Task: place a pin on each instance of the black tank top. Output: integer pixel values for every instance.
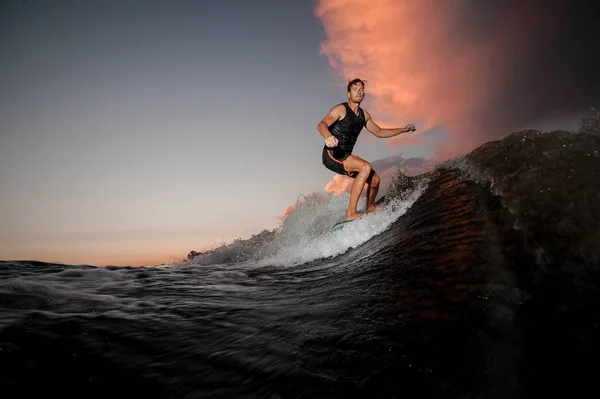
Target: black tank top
(347, 129)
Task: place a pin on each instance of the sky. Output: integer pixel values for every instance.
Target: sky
(132, 132)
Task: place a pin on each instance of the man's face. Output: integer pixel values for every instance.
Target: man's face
(357, 92)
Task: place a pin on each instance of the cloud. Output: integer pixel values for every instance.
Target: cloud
(479, 69)
(288, 209)
(339, 184)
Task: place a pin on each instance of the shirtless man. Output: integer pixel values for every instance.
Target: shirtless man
(341, 128)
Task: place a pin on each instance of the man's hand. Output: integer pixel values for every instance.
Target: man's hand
(409, 128)
(331, 141)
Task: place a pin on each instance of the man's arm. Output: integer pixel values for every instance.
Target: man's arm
(385, 133)
(338, 112)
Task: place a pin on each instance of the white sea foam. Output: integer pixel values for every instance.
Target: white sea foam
(306, 233)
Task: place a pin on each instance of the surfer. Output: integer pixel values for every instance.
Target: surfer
(340, 129)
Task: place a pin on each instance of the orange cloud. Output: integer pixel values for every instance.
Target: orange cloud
(401, 48)
(289, 209)
(457, 64)
(339, 184)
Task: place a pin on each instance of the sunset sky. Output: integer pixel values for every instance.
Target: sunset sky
(132, 132)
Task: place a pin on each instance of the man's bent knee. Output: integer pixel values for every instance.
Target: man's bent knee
(358, 165)
(366, 169)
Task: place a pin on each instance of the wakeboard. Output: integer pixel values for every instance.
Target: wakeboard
(341, 224)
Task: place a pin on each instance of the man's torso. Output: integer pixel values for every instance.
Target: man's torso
(347, 129)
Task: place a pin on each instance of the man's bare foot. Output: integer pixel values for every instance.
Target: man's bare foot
(374, 208)
(356, 215)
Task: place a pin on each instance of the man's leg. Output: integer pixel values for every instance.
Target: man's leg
(373, 182)
(356, 164)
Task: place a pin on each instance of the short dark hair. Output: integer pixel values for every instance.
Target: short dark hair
(355, 81)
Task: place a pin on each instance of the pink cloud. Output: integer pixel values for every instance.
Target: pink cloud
(413, 71)
(339, 184)
(467, 66)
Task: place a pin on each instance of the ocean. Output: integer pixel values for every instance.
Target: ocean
(478, 279)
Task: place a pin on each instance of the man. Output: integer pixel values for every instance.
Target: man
(341, 128)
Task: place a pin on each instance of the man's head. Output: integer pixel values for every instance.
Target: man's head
(356, 90)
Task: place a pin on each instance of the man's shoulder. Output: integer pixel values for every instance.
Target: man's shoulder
(339, 109)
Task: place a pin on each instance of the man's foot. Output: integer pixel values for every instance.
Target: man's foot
(374, 208)
(355, 215)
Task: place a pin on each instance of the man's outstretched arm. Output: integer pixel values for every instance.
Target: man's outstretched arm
(385, 133)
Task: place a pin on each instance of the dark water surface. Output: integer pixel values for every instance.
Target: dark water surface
(486, 287)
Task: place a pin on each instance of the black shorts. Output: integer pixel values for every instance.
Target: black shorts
(333, 159)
